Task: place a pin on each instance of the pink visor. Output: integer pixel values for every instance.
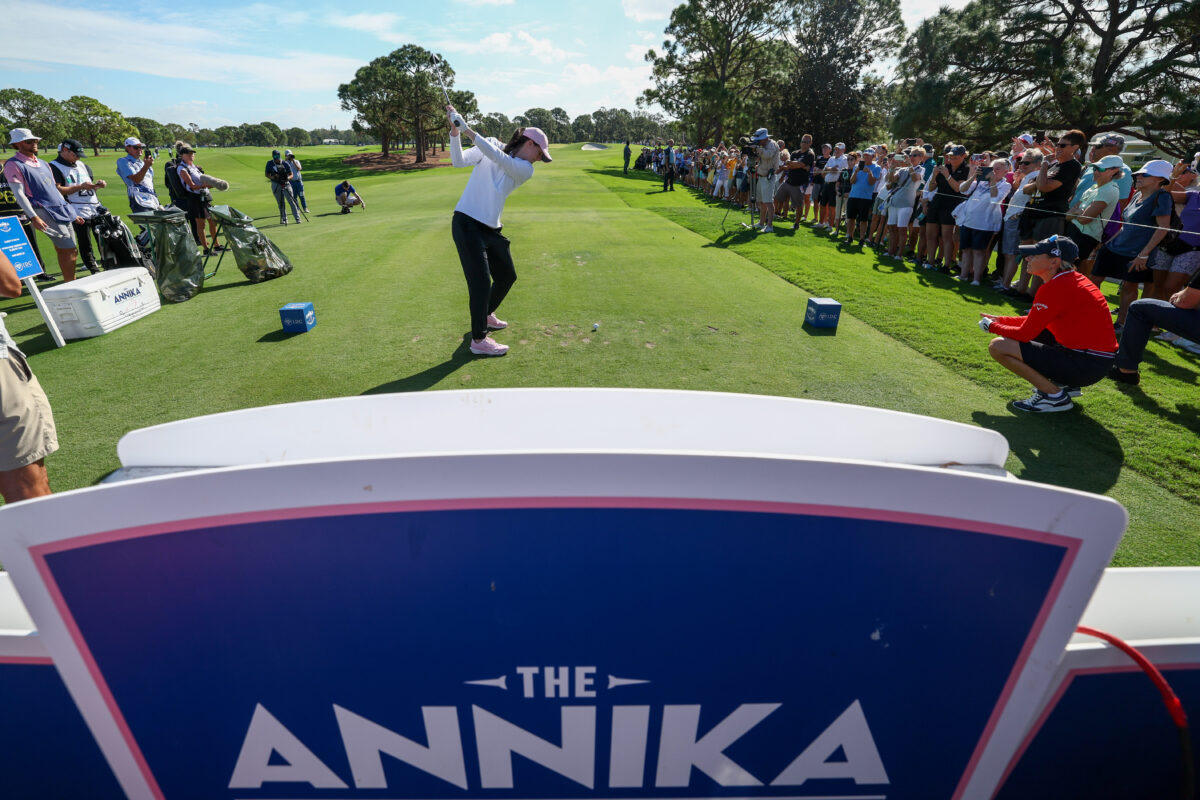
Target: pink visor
(537, 137)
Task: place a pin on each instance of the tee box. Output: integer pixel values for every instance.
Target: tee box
(823, 312)
(298, 317)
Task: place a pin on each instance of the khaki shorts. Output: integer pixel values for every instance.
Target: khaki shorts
(27, 432)
(765, 189)
(61, 233)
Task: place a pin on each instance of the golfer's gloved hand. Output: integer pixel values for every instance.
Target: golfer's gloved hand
(985, 324)
(458, 121)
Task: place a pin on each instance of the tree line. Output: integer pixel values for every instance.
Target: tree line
(97, 125)
(977, 75)
(398, 97)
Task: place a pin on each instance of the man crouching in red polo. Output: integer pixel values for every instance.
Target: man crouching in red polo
(1066, 341)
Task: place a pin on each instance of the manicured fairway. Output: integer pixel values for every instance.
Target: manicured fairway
(680, 304)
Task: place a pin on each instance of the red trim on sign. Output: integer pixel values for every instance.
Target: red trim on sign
(44, 661)
(1052, 703)
(39, 553)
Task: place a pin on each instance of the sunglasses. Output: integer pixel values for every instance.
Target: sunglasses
(1027, 162)
(1062, 144)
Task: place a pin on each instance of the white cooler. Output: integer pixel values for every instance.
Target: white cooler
(100, 303)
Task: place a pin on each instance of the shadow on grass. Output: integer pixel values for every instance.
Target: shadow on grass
(430, 377)
(1049, 448)
(1186, 416)
(279, 336)
(812, 331)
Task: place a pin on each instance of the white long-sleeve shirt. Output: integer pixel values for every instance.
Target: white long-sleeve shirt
(494, 178)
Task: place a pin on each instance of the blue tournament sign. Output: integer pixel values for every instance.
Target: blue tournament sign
(585, 625)
(15, 244)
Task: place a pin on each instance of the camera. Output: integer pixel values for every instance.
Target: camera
(747, 148)
(984, 173)
(910, 142)
(1039, 137)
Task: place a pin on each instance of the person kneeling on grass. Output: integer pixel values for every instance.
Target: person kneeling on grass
(1181, 316)
(346, 197)
(1066, 341)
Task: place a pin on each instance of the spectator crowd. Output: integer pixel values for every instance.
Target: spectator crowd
(967, 214)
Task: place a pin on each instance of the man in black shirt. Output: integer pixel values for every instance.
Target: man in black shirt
(798, 181)
(1052, 190)
(1045, 215)
(280, 176)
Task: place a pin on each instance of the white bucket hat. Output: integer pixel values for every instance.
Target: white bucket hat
(17, 135)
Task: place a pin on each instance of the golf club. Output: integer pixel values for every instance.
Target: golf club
(436, 61)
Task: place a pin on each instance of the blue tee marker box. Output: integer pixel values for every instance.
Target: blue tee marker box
(298, 317)
(823, 312)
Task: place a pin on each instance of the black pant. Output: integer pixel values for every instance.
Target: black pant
(668, 177)
(83, 238)
(487, 266)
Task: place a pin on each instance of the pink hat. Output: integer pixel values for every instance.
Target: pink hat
(537, 137)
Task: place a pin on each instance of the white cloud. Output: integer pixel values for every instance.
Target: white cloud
(485, 2)
(521, 44)
(170, 51)
(647, 10)
(636, 52)
(383, 26)
(542, 49)
(914, 11)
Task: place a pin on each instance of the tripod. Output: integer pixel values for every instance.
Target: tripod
(751, 205)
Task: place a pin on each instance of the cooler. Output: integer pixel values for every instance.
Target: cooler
(101, 303)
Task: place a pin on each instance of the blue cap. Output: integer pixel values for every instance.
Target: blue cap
(1057, 245)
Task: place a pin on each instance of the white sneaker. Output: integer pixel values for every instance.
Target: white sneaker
(487, 346)
(494, 323)
(975, 283)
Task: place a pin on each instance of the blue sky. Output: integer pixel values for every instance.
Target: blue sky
(219, 62)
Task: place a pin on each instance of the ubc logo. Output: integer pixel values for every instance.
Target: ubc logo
(681, 748)
(126, 294)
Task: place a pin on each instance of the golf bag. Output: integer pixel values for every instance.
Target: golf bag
(118, 246)
(180, 270)
(257, 257)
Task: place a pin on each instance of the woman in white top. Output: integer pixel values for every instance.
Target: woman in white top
(981, 217)
(483, 251)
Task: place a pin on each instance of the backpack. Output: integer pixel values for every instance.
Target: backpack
(174, 184)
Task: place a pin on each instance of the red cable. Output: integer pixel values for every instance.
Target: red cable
(1170, 699)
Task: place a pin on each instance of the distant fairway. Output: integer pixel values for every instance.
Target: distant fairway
(680, 304)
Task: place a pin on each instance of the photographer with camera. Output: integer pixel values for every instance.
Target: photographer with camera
(766, 155)
(280, 176)
(198, 198)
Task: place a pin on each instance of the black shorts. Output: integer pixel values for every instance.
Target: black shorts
(1034, 226)
(1114, 265)
(1085, 243)
(828, 194)
(941, 212)
(1064, 366)
(859, 208)
(195, 207)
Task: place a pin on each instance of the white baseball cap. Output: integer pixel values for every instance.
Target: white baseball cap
(1158, 168)
(840, 146)
(21, 135)
(133, 141)
(870, 151)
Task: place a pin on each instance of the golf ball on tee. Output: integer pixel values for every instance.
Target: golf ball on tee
(595, 326)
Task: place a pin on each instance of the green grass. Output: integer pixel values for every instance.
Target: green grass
(681, 304)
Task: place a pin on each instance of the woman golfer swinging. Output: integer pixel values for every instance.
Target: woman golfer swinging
(483, 251)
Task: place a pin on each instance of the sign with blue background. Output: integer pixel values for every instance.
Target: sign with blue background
(567, 652)
(15, 244)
